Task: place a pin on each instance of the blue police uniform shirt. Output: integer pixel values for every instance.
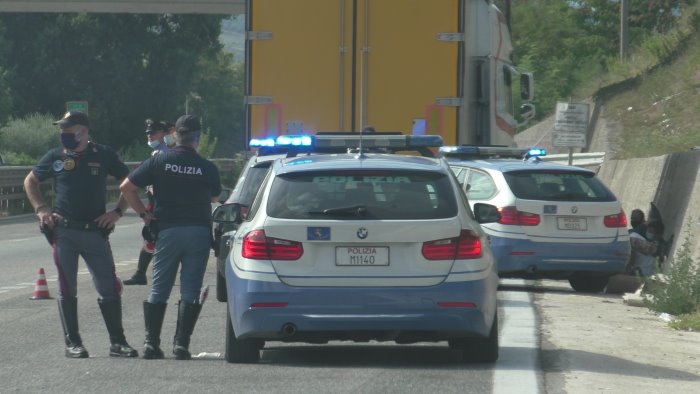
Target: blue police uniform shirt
(183, 185)
(80, 179)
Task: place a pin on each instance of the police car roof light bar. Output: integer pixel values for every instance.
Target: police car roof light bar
(467, 152)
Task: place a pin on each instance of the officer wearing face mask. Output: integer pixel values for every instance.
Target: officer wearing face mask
(157, 138)
(79, 225)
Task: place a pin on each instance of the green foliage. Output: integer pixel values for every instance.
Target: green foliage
(28, 139)
(127, 66)
(569, 45)
(19, 159)
(207, 144)
(681, 295)
(688, 322)
(137, 151)
(229, 178)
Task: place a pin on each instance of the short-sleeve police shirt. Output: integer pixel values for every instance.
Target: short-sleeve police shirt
(183, 185)
(80, 179)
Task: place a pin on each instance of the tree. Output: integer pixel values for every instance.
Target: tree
(128, 67)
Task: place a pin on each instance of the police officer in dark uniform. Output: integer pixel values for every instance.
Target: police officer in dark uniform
(78, 225)
(184, 186)
(155, 138)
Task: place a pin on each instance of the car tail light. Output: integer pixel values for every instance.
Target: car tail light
(511, 216)
(617, 220)
(466, 246)
(257, 246)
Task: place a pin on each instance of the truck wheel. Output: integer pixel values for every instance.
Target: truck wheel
(240, 350)
(588, 283)
(479, 350)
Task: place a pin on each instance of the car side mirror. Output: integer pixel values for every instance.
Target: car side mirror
(486, 213)
(227, 213)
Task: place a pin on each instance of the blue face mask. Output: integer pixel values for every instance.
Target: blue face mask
(154, 144)
(69, 141)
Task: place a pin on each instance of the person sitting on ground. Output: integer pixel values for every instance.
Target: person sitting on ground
(644, 249)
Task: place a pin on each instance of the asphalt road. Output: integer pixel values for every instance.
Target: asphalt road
(33, 361)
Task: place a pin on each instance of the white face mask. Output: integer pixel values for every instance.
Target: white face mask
(153, 144)
(168, 140)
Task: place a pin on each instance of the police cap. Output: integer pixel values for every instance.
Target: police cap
(153, 127)
(72, 118)
(187, 123)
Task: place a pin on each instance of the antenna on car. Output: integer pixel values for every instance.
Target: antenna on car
(365, 129)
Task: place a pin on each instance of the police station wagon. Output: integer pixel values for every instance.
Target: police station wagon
(557, 221)
(361, 246)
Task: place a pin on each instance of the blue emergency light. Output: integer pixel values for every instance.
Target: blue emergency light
(341, 142)
(535, 152)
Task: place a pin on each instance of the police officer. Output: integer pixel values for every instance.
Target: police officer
(184, 186)
(78, 225)
(156, 133)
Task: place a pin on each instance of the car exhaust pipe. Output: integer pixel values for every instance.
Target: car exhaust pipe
(289, 329)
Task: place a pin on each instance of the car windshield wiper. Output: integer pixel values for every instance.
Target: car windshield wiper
(355, 210)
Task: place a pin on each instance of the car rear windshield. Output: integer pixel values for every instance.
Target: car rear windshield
(557, 186)
(362, 195)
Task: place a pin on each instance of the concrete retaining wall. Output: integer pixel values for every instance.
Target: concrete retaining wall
(671, 181)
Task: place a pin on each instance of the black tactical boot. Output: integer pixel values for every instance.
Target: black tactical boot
(68, 310)
(187, 315)
(139, 277)
(153, 317)
(112, 314)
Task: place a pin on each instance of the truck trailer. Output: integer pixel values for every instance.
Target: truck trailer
(424, 67)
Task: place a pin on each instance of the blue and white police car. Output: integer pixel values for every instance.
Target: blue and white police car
(557, 221)
(361, 246)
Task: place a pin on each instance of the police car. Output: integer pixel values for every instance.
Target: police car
(269, 149)
(361, 246)
(557, 221)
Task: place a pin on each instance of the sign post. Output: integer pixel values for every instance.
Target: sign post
(81, 106)
(570, 126)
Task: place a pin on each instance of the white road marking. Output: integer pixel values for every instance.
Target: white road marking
(517, 367)
(19, 239)
(12, 287)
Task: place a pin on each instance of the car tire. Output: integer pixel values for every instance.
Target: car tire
(221, 294)
(479, 350)
(241, 351)
(588, 283)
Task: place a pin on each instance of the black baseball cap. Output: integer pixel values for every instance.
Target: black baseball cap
(72, 118)
(153, 127)
(187, 123)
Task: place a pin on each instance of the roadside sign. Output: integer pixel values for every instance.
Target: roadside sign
(81, 106)
(570, 125)
(564, 139)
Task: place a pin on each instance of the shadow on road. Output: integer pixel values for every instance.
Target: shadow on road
(554, 360)
(353, 356)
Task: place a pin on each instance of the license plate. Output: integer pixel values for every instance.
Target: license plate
(572, 223)
(361, 255)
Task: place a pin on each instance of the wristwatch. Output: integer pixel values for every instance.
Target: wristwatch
(119, 211)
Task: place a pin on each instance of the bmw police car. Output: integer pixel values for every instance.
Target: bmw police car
(557, 221)
(361, 246)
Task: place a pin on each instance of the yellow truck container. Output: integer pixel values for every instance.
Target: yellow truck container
(415, 66)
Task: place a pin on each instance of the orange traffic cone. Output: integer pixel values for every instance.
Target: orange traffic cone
(41, 290)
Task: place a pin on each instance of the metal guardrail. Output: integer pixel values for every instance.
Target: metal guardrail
(13, 199)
